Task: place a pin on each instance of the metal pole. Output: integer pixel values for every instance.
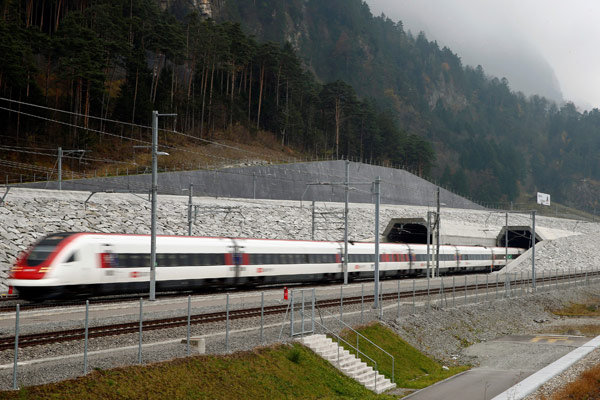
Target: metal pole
(342, 303)
(533, 251)
(312, 235)
(85, 340)
(437, 240)
(16, 347)
(189, 324)
(262, 315)
(496, 286)
(346, 223)
(414, 294)
(376, 289)
(227, 324)
(454, 291)
(398, 299)
(506, 241)
(60, 168)
(314, 300)
(465, 289)
(190, 206)
(302, 314)
(476, 297)
(362, 302)
(153, 212)
(292, 313)
(254, 186)
(428, 242)
(141, 338)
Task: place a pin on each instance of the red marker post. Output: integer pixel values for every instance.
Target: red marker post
(285, 293)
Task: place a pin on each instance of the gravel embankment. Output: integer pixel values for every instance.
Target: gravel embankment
(443, 333)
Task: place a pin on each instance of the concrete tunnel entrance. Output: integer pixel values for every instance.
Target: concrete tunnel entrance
(408, 230)
(518, 236)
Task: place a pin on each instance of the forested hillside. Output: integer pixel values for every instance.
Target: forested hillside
(326, 78)
(490, 142)
(110, 60)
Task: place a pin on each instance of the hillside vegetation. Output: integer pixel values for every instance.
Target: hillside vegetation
(491, 142)
(323, 78)
(117, 60)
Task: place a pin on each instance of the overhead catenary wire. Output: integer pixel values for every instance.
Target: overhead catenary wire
(117, 122)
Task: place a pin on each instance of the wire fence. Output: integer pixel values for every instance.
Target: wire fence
(351, 306)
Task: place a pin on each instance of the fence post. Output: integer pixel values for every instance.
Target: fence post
(398, 299)
(362, 302)
(302, 314)
(342, 303)
(414, 295)
(496, 286)
(292, 313)
(141, 338)
(16, 347)
(85, 340)
(189, 324)
(314, 300)
(262, 315)
(227, 324)
(453, 291)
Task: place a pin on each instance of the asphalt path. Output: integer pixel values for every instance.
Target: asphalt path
(504, 362)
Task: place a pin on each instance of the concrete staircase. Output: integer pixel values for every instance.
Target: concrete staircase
(348, 363)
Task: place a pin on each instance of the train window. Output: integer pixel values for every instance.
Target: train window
(73, 257)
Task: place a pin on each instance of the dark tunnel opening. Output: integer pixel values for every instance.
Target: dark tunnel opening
(517, 238)
(409, 233)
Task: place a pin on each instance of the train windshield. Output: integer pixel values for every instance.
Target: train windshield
(42, 250)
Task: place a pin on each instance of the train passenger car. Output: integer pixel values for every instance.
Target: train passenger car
(86, 264)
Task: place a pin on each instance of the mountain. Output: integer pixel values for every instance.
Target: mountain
(491, 142)
(323, 78)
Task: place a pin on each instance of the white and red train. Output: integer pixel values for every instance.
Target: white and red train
(90, 264)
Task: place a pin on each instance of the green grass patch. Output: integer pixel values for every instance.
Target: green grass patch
(279, 372)
(412, 369)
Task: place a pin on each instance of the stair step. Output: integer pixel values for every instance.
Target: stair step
(348, 363)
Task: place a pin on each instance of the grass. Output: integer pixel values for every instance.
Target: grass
(590, 309)
(278, 372)
(586, 387)
(412, 369)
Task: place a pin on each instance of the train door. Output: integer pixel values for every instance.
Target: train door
(237, 261)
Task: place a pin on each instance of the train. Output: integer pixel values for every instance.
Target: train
(68, 264)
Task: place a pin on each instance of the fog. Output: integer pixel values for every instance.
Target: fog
(546, 47)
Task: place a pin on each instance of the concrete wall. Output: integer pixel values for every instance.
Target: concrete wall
(282, 182)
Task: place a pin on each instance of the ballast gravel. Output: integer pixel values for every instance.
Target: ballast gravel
(438, 329)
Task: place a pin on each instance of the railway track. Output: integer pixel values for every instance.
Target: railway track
(8, 342)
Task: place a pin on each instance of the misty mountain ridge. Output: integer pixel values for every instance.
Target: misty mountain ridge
(323, 78)
(495, 138)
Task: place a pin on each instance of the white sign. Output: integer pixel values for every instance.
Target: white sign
(543, 199)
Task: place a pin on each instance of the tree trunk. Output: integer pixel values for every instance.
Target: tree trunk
(135, 91)
(210, 97)
(260, 85)
(231, 99)
(250, 96)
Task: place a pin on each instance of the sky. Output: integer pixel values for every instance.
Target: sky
(546, 47)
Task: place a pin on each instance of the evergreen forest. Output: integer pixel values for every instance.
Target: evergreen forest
(491, 142)
(325, 78)
(117, 60)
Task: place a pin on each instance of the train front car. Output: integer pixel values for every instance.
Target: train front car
(38, 273)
